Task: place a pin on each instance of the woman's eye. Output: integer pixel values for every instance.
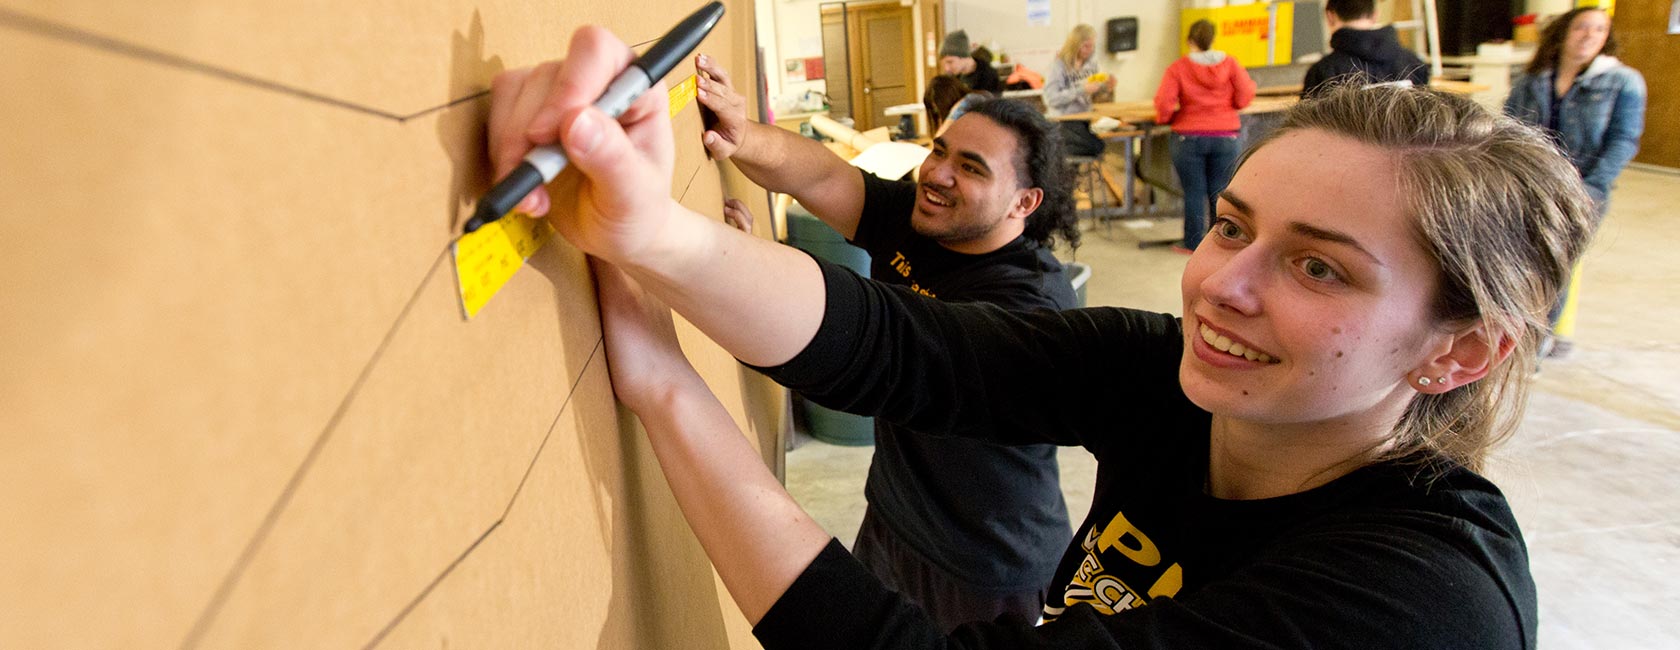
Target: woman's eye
(1317, 269)
(1226, 228)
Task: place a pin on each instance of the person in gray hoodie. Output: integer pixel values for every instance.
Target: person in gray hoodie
(1362, 49)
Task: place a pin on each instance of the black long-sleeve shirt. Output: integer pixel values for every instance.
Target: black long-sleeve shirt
(983, 513)
(1415, 553)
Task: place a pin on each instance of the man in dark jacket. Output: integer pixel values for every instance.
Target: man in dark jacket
(957, 60)
(1358, 46)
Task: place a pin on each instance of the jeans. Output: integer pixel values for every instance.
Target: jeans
(1078, 139)
(1205, 165)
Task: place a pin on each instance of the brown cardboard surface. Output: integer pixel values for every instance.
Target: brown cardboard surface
(383, 55)
(239, 405)
(655, 568)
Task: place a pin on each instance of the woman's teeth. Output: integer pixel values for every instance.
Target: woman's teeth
(1226, 345)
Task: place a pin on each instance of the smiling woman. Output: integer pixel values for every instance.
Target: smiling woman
(1300, 469)
(1591, 103)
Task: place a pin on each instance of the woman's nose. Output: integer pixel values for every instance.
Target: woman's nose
(1237, 282)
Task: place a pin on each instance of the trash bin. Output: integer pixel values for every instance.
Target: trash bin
(810, 234)
(1080, 274)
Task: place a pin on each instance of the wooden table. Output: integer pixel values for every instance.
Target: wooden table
(1142, 112)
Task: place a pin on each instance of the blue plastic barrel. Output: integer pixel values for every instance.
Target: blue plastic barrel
(810, 234)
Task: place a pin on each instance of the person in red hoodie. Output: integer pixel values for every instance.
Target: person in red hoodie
(1200, 96)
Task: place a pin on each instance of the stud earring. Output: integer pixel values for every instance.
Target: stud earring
(1423, 381)
(1441, 380)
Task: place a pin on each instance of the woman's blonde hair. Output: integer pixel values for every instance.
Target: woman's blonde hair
(1069, 55)
(1504, 215)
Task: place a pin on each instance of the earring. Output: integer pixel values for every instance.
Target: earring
(1423, 381)
(1441, 380)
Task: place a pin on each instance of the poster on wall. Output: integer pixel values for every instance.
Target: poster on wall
(805, 69)
(1038, 13)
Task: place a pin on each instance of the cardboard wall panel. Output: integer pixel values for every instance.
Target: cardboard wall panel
(385, 56)
(239, 405)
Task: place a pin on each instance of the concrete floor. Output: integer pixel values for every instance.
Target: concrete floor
(1594, 473)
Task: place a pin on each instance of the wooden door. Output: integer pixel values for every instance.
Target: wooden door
(884, 66)
(1641, 27)
(837, 60)
(933, 34)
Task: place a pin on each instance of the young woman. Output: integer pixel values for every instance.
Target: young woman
(942, 95)
(1070, 88)
(1293, 463)
(1199, 96)
(1591, 104)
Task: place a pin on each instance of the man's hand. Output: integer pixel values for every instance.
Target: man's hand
(611, 213)
(716, 93)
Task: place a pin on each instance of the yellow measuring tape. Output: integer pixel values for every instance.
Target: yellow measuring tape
(487, 258)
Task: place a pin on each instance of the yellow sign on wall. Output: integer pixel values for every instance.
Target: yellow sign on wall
(1609, 6)
(1246, 32)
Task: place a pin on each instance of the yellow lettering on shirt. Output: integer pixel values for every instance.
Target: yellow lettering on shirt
(1106, 593)
(1139, 548)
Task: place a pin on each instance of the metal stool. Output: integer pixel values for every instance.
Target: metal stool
(1087, 176)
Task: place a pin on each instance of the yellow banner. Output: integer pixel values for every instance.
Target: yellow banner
(1245, 32)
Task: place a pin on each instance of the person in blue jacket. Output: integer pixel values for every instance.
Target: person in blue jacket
(1592, 104)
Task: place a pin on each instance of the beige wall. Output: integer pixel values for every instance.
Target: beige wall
(239, 404)
(789, 29)
(1136, 73)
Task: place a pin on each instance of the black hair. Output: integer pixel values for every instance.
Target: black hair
(1351, 9)
(1039, 164)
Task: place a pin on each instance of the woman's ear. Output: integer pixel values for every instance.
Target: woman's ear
(1468, 356)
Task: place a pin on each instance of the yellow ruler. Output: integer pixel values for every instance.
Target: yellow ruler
(487, 258)
(681, 94)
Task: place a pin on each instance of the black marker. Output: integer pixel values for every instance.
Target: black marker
(545, 162)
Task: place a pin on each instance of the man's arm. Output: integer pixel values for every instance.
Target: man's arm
(1419, 74)
(1315, 78)
(777, 159)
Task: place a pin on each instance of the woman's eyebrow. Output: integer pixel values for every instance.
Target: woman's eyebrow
(1332, 236)
(1299, 228)
(1241, 205)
